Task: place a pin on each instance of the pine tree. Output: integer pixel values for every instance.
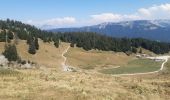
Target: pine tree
(29, 39)
(32, 48)
(2, 36)
(10, 35)
(11, 53)
(56, 43)
(36, 43)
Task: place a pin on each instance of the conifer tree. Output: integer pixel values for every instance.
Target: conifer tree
(32, 48)
(11, 53)
(36, 43)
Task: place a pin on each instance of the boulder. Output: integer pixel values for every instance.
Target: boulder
(3, 61)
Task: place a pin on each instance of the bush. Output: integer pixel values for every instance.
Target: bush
(56, 43)
(23, 62)
(72, 45)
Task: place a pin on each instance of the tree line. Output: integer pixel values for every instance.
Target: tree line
(89, 40)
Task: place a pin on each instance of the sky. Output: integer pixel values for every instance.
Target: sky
(75, 13)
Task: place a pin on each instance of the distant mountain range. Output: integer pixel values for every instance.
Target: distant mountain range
(150, 29)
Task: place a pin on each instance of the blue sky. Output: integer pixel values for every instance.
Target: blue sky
(83, 11)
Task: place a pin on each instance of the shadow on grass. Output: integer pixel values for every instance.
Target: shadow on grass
(8, 72)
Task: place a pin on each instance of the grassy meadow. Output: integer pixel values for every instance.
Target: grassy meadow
(135, 66)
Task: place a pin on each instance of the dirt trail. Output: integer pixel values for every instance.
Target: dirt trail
(65, 67)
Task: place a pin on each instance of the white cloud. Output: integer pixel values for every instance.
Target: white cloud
(111, 17)
(104, 17)
(144, 12)
(151, 13)
(60, 21)
(54, 22)
(155, 12)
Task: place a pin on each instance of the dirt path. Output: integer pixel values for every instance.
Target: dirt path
(165, 58)
(65, 67)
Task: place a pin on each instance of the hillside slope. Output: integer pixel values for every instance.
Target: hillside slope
(48, 55)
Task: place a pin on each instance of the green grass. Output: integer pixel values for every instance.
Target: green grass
(135, 66)
(8, 72)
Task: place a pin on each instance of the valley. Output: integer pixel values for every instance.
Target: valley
(80, 66)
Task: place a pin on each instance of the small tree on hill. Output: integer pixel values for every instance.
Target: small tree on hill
(11, 53)
(56, 43)
(36, 43)
(72, 45)
(10, 35)
(32, 48)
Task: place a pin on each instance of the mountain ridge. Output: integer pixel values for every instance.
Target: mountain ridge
(150, 29)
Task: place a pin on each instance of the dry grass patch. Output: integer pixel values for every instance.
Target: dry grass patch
(80, 58)
(2, 47)
(37, 85)
(47, 54)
